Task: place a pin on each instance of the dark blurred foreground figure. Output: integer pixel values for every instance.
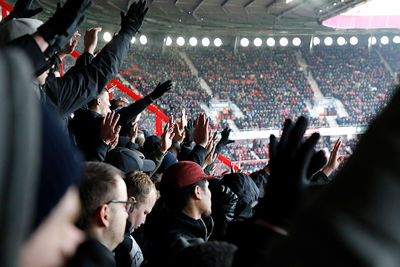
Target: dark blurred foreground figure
(37, 227)
(355, 221)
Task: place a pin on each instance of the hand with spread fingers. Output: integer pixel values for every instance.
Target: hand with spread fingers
(109, 129)
(189, 129)
(290, 159)
(211, 155)
(161, 89)
(334, 159)
(90, 40)
(166, 137)
(201, 130)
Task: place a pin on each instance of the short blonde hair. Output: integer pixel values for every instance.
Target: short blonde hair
(139, 185)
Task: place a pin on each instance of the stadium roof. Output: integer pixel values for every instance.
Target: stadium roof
(219, 16)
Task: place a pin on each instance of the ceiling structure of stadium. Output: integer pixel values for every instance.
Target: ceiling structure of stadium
(233, 17)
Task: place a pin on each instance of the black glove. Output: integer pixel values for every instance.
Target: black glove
(290, 160)
(21, 10)
(132, 21)
(224, 140)
(189, 128)
(161, 89)
(62, 25)
(223, 200)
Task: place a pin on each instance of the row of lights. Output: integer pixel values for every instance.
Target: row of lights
(328, 41)
(180, 41)
(270, 42)
(142, 39)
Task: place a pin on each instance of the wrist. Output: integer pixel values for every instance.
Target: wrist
(40, 41)
(107, 142)
(327, 171)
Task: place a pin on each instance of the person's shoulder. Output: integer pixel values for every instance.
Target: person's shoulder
(92, 253)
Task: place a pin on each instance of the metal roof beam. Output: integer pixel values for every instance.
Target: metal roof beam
(224, 3)
(197, 6)
(249, 3)
(293, 8)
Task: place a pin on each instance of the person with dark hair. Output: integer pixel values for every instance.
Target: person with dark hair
(142, 190)
(183, 214)
(105, 208)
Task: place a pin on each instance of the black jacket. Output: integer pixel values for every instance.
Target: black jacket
(86, 125)
(168, 232)
(85, 80)
(246, 190)
(92, 253)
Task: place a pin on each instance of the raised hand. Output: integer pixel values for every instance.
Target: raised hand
(334, 159)
(134, 132)
(225, 137)
(184, 119)
(211, 155)
(161, 89)
(132, 21)
(22, 10)
(201, 133)
(69, 47)
(63, 24)
(166, 137)
(109, 130)
(289, 162)
(90, 40)
(189, 129)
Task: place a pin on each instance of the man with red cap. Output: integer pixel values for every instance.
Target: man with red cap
(184, 216)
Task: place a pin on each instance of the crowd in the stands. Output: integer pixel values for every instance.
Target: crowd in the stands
(85, 182)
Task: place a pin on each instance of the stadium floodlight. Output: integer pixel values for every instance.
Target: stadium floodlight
(296, 41)
(107, 36)
(396, 39)
(328, 41)
(205, 41)
(180, 41)
(133, 40)
(384, 40)
(244, 42)
(257, 42)
(168, 41)
(353, 40)
(316, 41)
(341, 41)
(193, 41)
(372, 41)
(217, 42)
(270, 41)
(143, 39)
(283, 41)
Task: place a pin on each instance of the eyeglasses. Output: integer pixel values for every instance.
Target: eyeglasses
(129, 204)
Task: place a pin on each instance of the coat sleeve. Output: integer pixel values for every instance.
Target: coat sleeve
(134, 109)
(198, 155)
(82, 84)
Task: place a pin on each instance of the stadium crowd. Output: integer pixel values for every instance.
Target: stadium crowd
(83, 185)
(253, 78)
(354, 75)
